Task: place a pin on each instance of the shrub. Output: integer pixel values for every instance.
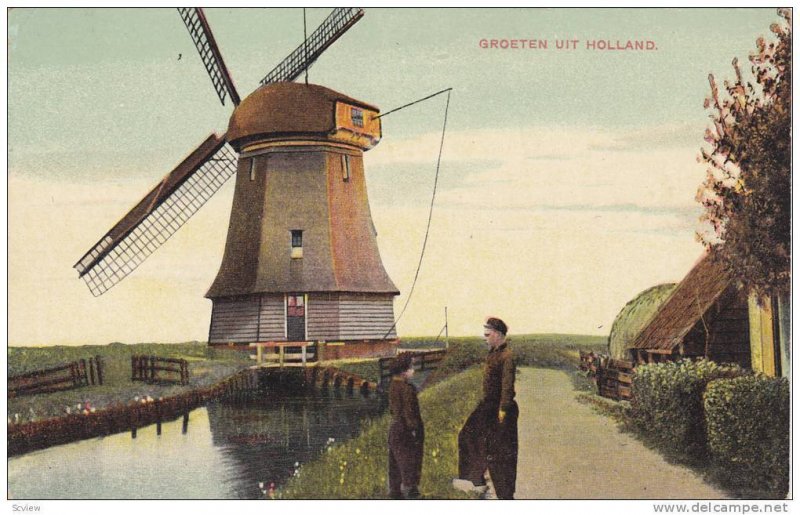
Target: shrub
(747, 420)
(667, 403)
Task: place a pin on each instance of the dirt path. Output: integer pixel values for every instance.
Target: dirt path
(568, 451)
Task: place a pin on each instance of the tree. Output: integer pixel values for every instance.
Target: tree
(747, 190)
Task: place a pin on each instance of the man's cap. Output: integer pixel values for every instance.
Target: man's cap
(400, 364)
(496, 324)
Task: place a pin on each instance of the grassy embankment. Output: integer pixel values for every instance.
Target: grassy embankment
(357, 469)
(207, 366)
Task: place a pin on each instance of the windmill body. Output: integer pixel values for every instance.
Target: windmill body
(301, 261)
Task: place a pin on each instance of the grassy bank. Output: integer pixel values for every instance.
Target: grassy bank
(207, 366)
(357, 469)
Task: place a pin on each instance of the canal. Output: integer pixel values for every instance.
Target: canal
(231, 449)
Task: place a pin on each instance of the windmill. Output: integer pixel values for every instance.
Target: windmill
(301, 261)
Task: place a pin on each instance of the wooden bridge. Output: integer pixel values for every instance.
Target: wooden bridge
(282, 358)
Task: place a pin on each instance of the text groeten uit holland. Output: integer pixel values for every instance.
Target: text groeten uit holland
(566, 44)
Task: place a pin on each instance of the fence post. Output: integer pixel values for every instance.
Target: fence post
(84, 378)
(91, 371)
(99, 361)
(152, 377)
(134, 362)
(73, 373)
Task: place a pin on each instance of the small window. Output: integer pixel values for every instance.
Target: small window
(295, 305)
(297, 244)
(357, 116)
(252, 168)
(345, 168)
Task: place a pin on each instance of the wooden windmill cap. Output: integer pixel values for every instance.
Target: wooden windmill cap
(291, 111)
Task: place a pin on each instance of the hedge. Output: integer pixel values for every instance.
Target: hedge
(747, 421)
(667, 402)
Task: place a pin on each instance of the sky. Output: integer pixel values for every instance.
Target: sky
(566, 184)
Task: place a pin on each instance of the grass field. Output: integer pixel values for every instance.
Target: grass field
(538, 350)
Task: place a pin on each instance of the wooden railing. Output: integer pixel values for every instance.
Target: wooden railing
(282, 357)
(422, 360)
(65, 377)
(153, 369)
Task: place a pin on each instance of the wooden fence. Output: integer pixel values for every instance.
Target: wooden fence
(153, 369)
(614, 379)
(590, 363)
(425, 360)
(65, 377)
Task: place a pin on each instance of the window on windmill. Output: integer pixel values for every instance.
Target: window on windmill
(295, 305)
(346, 168)
(357, 115)
(297, 244)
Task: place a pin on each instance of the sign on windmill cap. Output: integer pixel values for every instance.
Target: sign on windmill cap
(291, 111)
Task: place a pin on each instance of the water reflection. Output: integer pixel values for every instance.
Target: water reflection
(266, 438)
(230, 447)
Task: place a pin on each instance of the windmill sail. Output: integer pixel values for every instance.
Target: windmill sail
(158, 215)
(336, 24)
(196, 23)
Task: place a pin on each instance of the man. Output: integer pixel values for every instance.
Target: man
(406, 432)
(488, 439)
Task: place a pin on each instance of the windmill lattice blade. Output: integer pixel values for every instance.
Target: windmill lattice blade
(158, 215)
(196, 23)
(336, 24)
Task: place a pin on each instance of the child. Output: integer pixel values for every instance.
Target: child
(406, 432)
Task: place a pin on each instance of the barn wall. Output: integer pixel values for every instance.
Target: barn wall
(329, 317)
(234, 320)
(272, 322)
(349, 316)
(363, 316)
(322, 313)
(726, 327)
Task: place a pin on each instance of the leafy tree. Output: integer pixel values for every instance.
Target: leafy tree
(747, 190)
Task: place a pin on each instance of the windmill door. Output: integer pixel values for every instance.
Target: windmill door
(295, 318)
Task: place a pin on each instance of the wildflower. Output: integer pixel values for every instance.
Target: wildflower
(358, 451)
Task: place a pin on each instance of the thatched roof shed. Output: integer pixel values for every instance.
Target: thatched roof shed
(705, 316)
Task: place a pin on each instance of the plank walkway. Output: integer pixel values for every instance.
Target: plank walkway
(568, 451)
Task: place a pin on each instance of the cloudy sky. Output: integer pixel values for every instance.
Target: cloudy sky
(566, 185)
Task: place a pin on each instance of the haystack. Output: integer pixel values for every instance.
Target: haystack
(633, 318)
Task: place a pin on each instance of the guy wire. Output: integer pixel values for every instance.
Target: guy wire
(433, 197)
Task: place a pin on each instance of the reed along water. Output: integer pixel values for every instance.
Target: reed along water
(232, 449)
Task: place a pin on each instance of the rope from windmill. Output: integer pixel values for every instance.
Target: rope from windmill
(433, 198)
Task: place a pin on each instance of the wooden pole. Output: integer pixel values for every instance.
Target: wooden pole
(446, 336)
(99, 363)
(91, 371)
